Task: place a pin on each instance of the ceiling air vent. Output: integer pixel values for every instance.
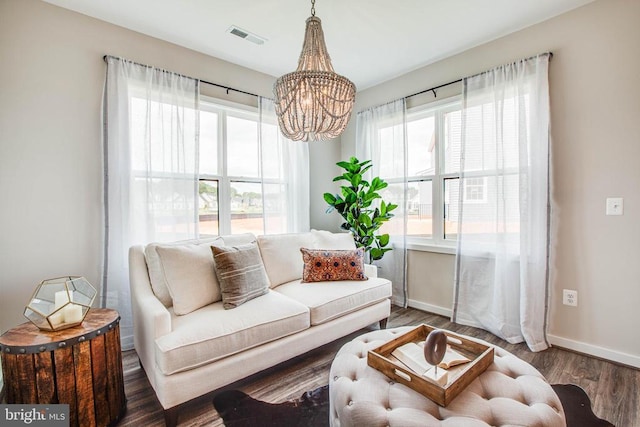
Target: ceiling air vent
(243, 34)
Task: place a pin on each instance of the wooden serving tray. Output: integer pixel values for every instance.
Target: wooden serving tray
(459, 376)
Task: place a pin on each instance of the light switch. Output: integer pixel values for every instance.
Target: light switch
(615, 206)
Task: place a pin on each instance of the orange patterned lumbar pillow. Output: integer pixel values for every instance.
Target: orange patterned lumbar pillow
(322, 264)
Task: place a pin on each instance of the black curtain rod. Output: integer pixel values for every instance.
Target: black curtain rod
(227, 88)
(433, 89)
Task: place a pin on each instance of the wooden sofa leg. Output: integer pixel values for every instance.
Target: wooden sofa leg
(383, 323)
(171, 416)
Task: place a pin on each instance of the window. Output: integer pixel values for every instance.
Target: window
(475, 190)
(492, 175)
(432, 164)
(433, 192)
(242, 180)
(231, 198)
(163, 168)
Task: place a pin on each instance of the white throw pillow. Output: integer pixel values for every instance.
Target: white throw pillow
(281, 256)
(182, 274)
(327, 240)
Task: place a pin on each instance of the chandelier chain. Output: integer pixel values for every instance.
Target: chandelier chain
(313, 7)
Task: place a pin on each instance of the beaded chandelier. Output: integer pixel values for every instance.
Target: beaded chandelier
(313, 103)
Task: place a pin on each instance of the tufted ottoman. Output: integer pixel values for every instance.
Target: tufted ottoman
(509, 393)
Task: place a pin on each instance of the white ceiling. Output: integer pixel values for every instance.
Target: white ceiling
(369, 41)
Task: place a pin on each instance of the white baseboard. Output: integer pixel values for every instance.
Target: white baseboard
(436, 309)
(594, 350)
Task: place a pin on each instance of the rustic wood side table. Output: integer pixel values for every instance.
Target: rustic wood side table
(79, 366)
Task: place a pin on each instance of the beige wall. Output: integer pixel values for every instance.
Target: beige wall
(51, 82)
(595, 106)
(426, 272)
(323, 156)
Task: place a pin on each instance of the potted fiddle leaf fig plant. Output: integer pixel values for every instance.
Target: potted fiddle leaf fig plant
(357, 205)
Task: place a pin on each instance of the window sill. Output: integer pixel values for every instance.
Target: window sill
(431, 247)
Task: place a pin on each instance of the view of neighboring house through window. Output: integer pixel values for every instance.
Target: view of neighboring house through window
(492, 176)
(433, 155)
(231, 196)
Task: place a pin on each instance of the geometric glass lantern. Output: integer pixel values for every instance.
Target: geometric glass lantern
(60, 303)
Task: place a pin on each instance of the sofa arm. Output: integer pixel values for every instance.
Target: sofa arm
(151, 319)
(371, 270)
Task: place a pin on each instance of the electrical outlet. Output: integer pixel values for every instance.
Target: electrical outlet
(570, 297)
(615, 206)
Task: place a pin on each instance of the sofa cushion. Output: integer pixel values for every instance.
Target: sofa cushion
(181, 265)
(212, 333)
(281, 255)
(163, 270)
(327, 240)
(240, 273)
(329, 300)
(190, 278)
(326, 264)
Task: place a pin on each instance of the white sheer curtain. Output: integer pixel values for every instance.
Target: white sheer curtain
(381, 138)
(150, 170)
(503, 238)
(284, 168)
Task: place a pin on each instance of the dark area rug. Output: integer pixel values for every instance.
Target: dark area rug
(577, 407)
(238, 409)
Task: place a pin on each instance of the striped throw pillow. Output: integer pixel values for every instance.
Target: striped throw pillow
(240, 272)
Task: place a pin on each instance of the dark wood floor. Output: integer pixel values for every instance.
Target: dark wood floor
(614, 390)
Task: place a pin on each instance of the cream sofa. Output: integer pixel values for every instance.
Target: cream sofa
(189, 354)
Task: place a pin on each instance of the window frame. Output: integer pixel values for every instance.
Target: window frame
(225, 109)
(438, 109)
